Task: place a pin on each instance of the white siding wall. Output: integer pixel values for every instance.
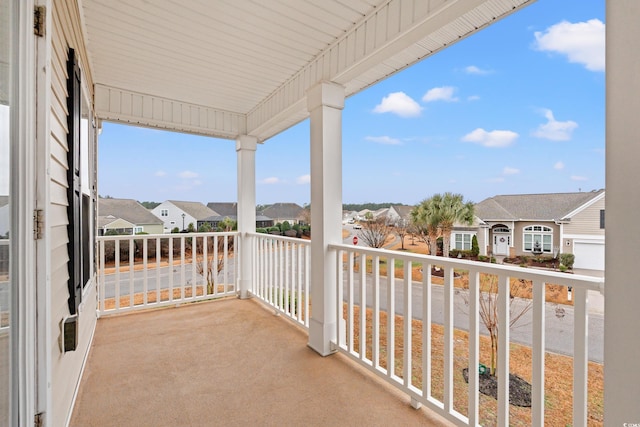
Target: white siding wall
(65, 368)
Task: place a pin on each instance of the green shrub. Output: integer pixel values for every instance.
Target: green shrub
(261, 230)
(475, 249)
(567, 260)
(286, 226)
(175, 230)
(563, 268)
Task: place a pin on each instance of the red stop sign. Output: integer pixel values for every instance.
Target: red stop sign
(355, 240)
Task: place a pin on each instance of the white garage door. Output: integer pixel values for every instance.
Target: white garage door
(589, 255)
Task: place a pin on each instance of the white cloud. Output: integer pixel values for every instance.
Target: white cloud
(303, 179)
(555, 130)
(472, 69)
(494, 138)
(187, 175)
(160, 173)
(558, 166)
(387, 140)
(196, 182)
(579, 178)
(510, 171)
(271, 180)
(582, 42)
(444, 93)
(398, 103)
(473, 98)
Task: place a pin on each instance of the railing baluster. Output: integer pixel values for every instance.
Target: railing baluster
(350, 303)
(537, 354)
(170, 269)
(225, 262)
(182, 267)
(131, 272)
(340, 323)
(205, 265)
(426, 330)
(307, 281)
(503, 350)
(158, 268)
(391, 317)
(117, 267)
(408, 316)
(448, 339)
(580, 356)
(145, 267)
(474, 346)
(375, 318)
(363, 307)
(194, 254)
(102, 282)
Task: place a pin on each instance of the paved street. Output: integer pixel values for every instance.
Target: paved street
(558, 318)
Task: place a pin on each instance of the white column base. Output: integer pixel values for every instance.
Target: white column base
(322, 337)
(243, 289)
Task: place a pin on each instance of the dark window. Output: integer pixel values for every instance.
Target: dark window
(602, 218)
(74, 191)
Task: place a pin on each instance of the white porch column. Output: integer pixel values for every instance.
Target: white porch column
(246, 149)
(622, 278)
(325, 102)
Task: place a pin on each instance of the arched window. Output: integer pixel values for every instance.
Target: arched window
(540, 234)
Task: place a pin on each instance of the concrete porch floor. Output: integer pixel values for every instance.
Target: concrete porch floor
(232, 363)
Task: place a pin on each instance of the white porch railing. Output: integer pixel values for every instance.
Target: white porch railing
(144, 271)
(362, 284)
(281, 274)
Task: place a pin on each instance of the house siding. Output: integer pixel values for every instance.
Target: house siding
(66, 368)
(586, 222)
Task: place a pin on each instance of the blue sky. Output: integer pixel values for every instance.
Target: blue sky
(517, 108)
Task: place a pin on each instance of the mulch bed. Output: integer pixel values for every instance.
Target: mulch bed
(519, 389)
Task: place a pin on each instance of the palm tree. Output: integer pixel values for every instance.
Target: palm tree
(451, 209)
(425, 219)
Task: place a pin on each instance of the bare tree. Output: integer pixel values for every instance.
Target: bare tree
(488, 310)
(402, 229)
(211, 266)
(376, 231)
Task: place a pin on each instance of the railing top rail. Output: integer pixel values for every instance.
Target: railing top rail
(166, 235)
(546, 276)
(282, 238)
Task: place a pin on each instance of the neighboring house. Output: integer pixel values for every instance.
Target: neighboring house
(174, 213)
(4, 216)
(126, 216)
(462, 235)
(230, 210)
(399, 212)
(559, 222)
(281, 212)
(349, 216)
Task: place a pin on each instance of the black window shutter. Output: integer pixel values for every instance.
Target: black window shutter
(74, 213)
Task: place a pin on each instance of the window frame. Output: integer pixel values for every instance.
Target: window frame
(463, 241)
(545, 234)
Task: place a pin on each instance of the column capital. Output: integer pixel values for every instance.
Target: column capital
(246, 142)
(325, 94)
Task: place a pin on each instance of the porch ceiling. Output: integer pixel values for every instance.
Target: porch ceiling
(225, 68)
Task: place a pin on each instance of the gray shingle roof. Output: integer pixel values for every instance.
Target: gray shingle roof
(224, 208)
(127, 209)
(283, 210)
(541, 207)
(196, 209)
